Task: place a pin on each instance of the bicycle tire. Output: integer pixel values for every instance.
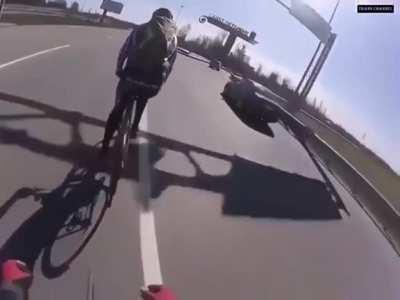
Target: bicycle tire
(52, 271)
(126, 133)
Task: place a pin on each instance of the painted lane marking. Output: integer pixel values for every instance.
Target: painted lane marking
(32, 55)
(148, 238)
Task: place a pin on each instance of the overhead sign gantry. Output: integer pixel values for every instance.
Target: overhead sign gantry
(234, 32)
(322, 29)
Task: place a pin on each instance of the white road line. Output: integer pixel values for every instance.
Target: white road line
(32, 55)
(149, 249)
(90, 287)
(148, 239)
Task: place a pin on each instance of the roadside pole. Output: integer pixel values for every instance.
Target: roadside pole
(103, 16)
(305, 92)
(318, 66)
(308, 68)
(322, 30)
(2, 5)
(110, 6)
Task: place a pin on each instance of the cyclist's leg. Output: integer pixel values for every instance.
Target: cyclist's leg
(143, 96)
(140, 106)
(112, 124)
(119, 90)
(114, 119)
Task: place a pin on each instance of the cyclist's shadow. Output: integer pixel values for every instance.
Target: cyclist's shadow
(67, 209)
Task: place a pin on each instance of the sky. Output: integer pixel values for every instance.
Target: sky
(359, 84)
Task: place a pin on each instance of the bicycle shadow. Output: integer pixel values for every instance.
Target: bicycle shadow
(57, 219)
(22, 193)
(249, 188)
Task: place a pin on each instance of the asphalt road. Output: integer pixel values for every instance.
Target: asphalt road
(232, 214)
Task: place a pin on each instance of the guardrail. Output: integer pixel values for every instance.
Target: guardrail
(282, 100)
(33, 10)
(310, 116)
(32, 7)
(380, 210)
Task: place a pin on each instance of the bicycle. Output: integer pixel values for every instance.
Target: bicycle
(121, 144)
(87, 218)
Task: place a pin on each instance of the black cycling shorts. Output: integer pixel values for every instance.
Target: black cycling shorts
(127, 90)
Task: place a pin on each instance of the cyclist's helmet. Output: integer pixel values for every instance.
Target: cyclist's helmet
(163, 12)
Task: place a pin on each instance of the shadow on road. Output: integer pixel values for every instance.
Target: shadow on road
(73, 208)
(22, 193)
(249, 189)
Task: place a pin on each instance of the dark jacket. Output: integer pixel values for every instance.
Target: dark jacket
(127, 58)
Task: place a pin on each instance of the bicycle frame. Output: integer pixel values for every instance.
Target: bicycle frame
(125, 131)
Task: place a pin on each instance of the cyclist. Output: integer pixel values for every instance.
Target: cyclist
(147, 56)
